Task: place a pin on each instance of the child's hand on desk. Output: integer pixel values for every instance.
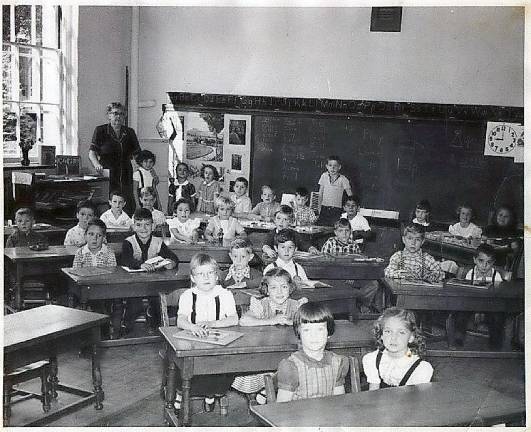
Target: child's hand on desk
(313, 250)
(269, 252)
(170, 266)
(148, 267)
(283, 320)
(238, 285)
(199, 330)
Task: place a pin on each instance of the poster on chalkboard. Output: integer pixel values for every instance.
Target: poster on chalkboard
(204, 137)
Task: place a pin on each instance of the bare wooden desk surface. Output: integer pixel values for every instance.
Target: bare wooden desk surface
(41, 324)
(435, 404)
(119, 276)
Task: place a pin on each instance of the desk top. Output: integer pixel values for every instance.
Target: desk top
(119, 276)
(433, 404)
(60, 251)
(263, 339)
(507, 289)
(39, 227)
(45, 323)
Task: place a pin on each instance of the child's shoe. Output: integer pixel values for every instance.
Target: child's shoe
(208, 404)
(261, 398)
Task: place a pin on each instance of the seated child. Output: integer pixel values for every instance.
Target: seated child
(138, 248)
(464, 228)
(145, 176)
(504, 230)
(240, 274)
(148, 198)
(396, 362)
(285, 247)
(412, 262)
(312, 372)
(342, 243)
(208, 190)
(85, 213)
(266, 209)
(482, 273)
(242, 203)
(115, 217)
(182, 228)
(303, 214)
(24, 234)
(360, 227)
(275, 308)
(205, 306)
(96, 253)
(422, 214)
(223, 226)
(332, 186)
(283, 219)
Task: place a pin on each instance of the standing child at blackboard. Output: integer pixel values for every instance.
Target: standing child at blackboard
(332, 184)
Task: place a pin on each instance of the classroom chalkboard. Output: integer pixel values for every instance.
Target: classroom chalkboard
(391, 162)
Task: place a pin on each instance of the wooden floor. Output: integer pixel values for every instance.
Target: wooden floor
(131, 377)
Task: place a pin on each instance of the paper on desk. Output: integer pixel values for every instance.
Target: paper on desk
(21, 178)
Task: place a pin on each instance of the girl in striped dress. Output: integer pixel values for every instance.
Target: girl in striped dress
(312, 372)
(276, 308)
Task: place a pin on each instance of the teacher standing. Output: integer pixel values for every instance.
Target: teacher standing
(113, 147)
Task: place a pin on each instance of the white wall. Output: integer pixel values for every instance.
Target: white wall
(104, 50)
(442, 55)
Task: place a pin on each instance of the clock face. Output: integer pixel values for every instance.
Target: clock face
(502, 139)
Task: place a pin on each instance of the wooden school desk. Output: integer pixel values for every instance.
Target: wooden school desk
(259, 349)
(505, 297)
(23, 262)
(43, 333)
(54, 234)
(435, 404)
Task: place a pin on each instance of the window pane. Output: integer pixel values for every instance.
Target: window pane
(6, 16)
(23, 24)
(38, 24)
(9, 138)
(51, 76)
(7, 77)
(24, 73)
(51, 126)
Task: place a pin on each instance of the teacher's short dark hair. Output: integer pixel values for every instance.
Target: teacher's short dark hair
(115, 105)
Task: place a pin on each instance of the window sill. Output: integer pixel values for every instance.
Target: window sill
(13, 166)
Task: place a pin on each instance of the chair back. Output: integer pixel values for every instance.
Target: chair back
(271, 380)
(167, 300)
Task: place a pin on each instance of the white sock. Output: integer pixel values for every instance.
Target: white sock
(210, 400)
(177, 403)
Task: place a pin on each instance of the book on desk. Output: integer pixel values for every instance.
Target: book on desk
(214, 336)
(469, 284)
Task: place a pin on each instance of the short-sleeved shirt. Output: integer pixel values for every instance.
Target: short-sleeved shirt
(291, 267)
(19, 238)
(185, 228)
(358, 223)
(333, 191)
(266, 210)
(122, 221)
(336, 247)
(308, 378)
(265, 309)
(231, 227)
(205, 307)
(242, 203)
(75, 237)
(143, 177)
(472, 230)
(393, 370)
(103, 258)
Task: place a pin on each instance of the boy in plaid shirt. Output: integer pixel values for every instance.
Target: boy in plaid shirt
(95, 253)
(342, 243)
(303, 214)
(412, 262)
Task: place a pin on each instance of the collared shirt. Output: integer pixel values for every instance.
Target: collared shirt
(334, 246)
(185, 228)
(238, 274)
(304, 215)
(184, 190)
(75, 236)
(266, 210)
(333, 190)
(122, 221)
(205, 307)
(19, 238)
(419, 265)
(472, 230)
(290, 266)
(242, 203)
(84, 257)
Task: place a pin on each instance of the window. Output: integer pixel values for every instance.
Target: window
(35, 56)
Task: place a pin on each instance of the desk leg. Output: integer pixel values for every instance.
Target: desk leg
(169, 398)
(54, 381)
(96, 373)
(7, 402)
(18, 286)
(186, 374)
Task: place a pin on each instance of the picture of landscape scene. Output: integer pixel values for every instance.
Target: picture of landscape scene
(204, 137)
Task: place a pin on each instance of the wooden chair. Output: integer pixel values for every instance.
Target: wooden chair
(271, 384)
(168, 300)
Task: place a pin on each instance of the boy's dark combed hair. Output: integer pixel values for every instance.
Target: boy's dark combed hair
(242, 180)
(99, 223)
(313, 312)
(86, 204)
(333, 158)
(241, 243)
(143, 155)
(25, 211)
(119, 193)
(213, 168)
(142, 214)
(354, 198)
(424, 204)
(302, 191)
(276, 272)
(284, 235)
(418, 346)
(342, 223)
(182, 201)
(414, 228)
(286, 209)
(487, 249)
